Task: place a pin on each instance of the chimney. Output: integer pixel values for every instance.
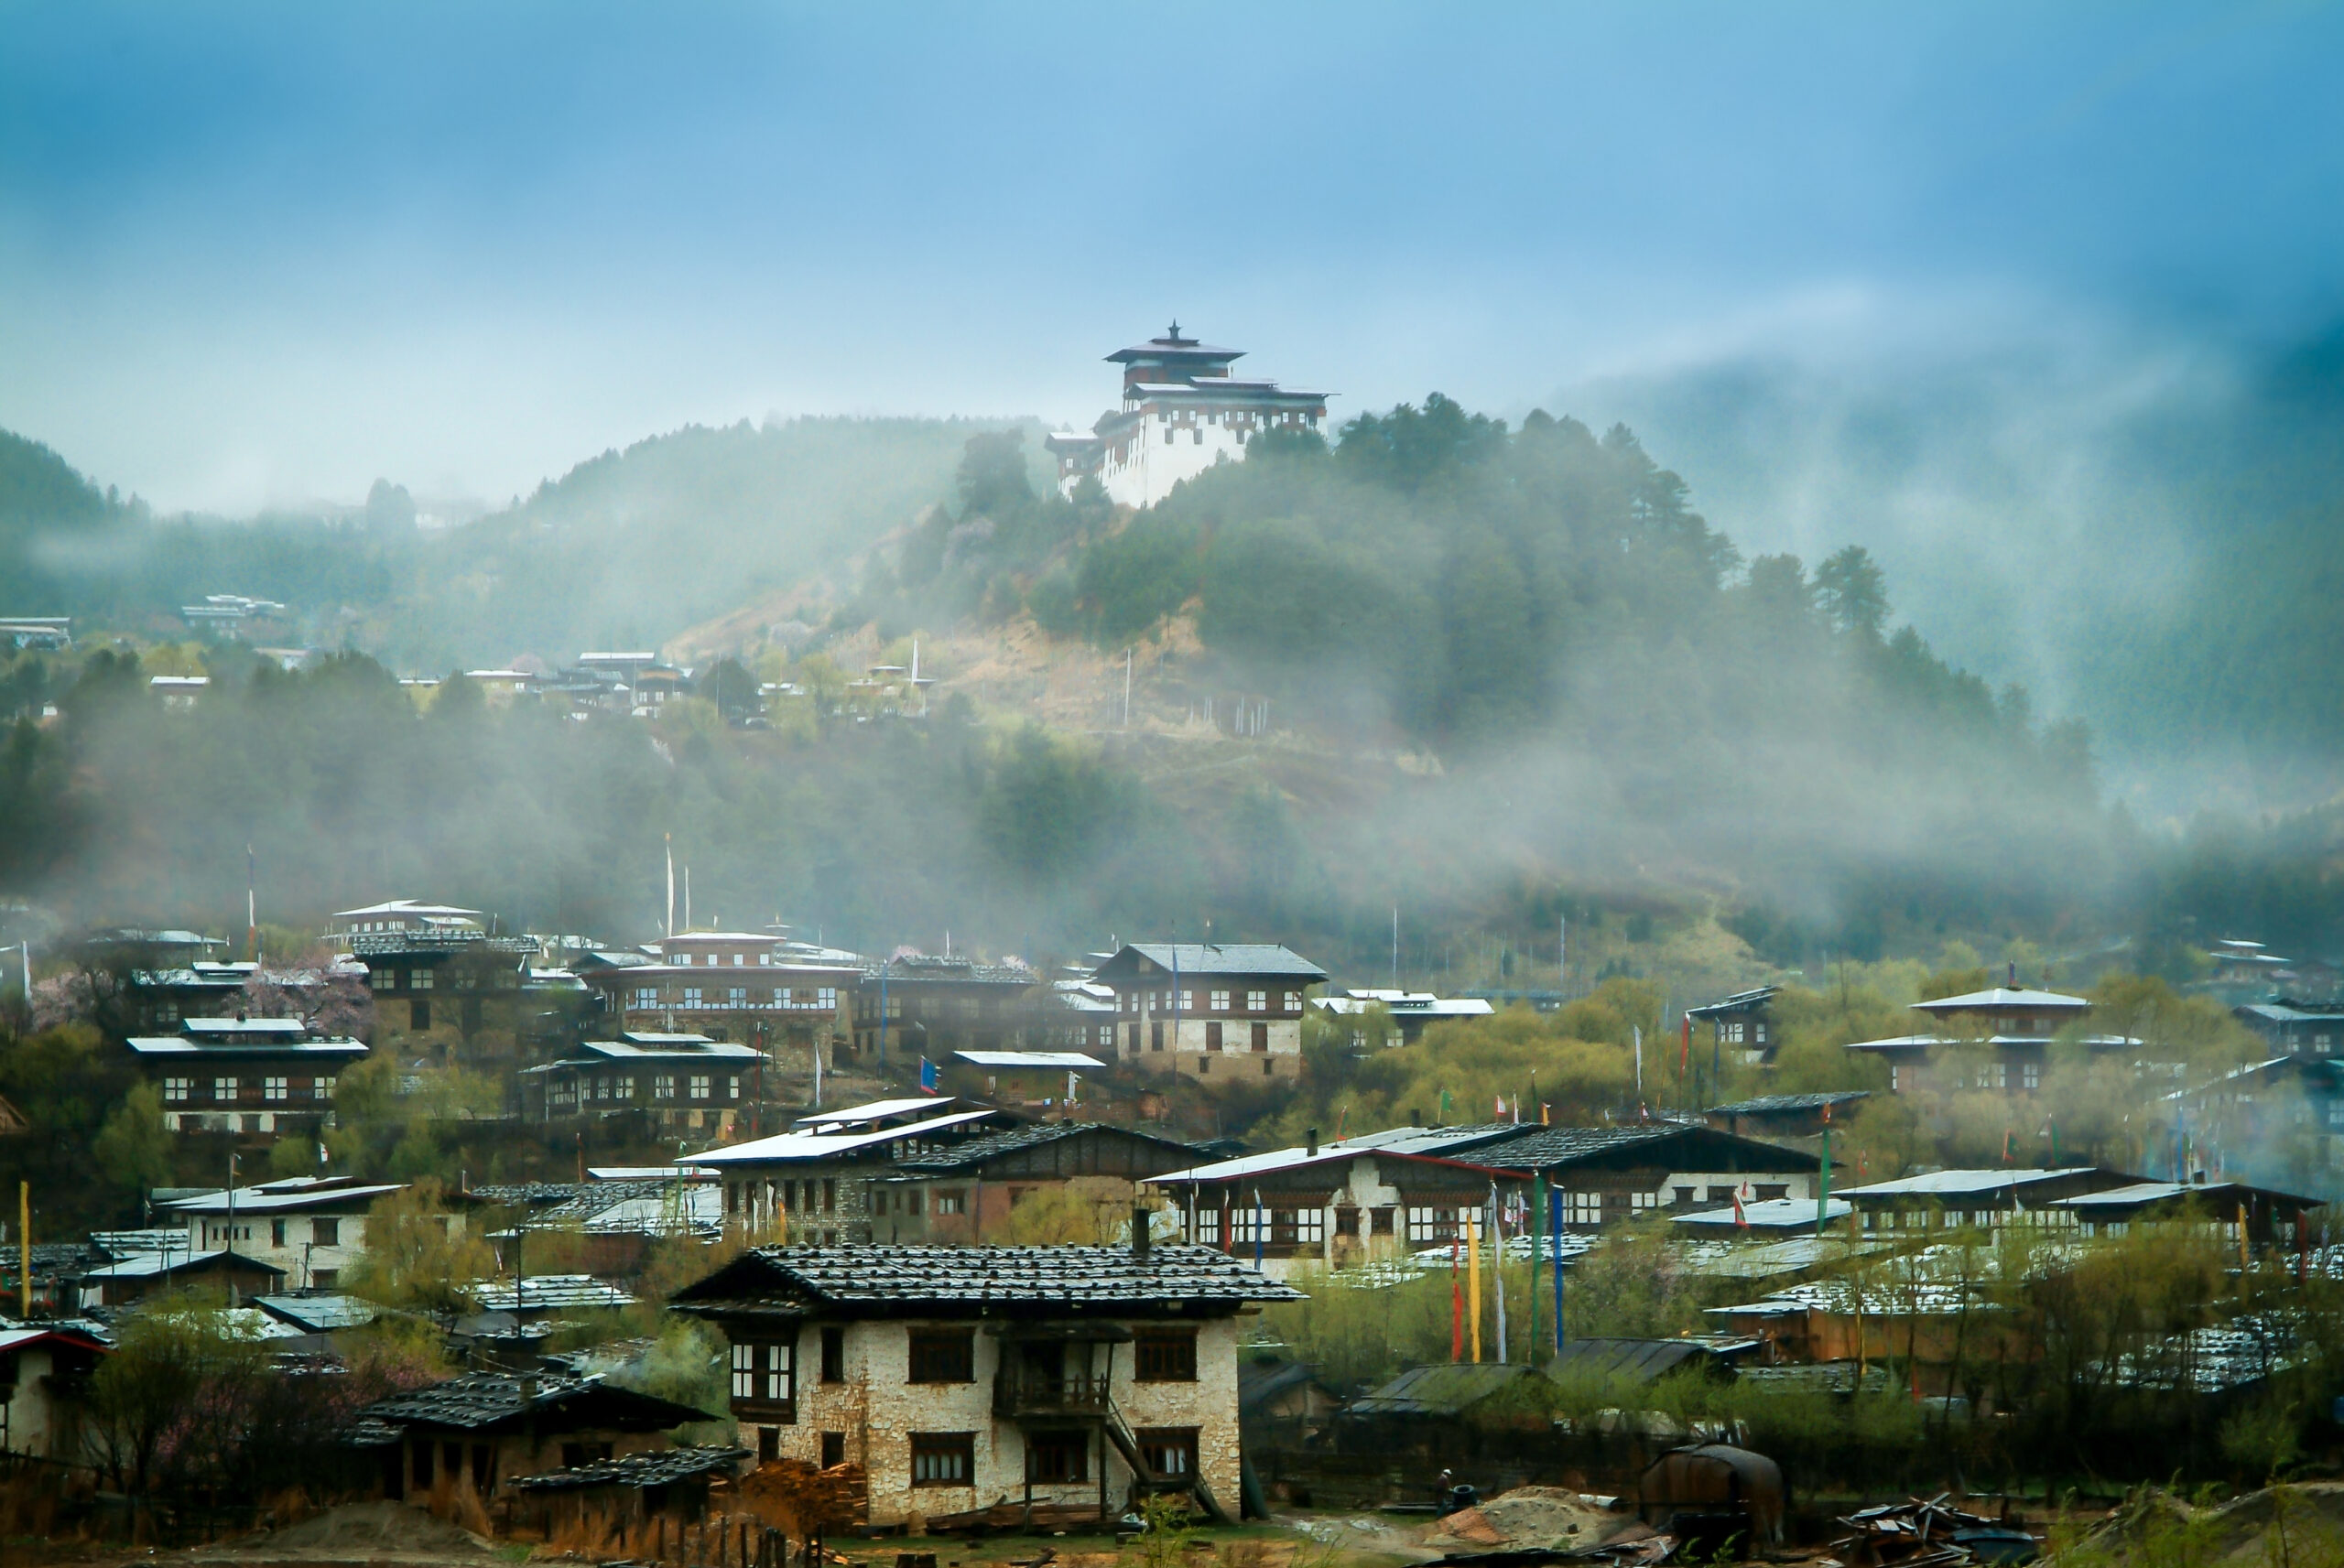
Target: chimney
(1312, 1138)
(1416, 1115)
(1140, 1218)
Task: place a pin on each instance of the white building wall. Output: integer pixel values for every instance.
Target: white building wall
(300, 1254)
(877, 1409)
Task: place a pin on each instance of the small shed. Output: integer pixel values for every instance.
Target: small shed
(1448, 1410)
(625, 1491)
(1643, 1362)
(476, 1432)
(1282, 1403)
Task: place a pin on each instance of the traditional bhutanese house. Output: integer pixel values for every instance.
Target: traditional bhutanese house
(1231, 1009)
(1375, 1195)
(1742, 1027)
(125, 1281)
(397, 917)
(1614, 1173)
(1047, 1081)
(1070, 1378)
(1930, 1307)
(2005, 1036)
(816, 1186)
(244, 1074)
(920, 1005)
(44, 1385)
(665, 1081)
(1787, 1116)
(452, 992)
(2271, 1219)
(312, 1228)
(476, 1432)
(2297, 1027)
(790, 999)
(959, 1192)
(1411, 1012)
(1948, 1200)
(624, 1492)
(1451, 1412)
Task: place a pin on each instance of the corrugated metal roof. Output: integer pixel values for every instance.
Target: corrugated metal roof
(1965, 1183)
(534, 1292)
(792, 1147)
(1063, 1061)
(2002, 996)
(320, 1314)
(1440, 1391)
(1009, 1141)
(486, 1399)
(1767, 1103)
(1222, 959)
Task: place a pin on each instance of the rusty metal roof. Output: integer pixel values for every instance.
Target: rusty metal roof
(485, 1400)
(650, 1468)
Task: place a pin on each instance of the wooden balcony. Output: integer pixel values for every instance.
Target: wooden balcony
(1018, 1395)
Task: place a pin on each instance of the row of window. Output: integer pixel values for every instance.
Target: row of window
(604, 1087)
(1215, 1001)
(1730, 1032)
(818, 998)
(1990, 1076)
(1258, 1038)
(950, 1458)
(424, 979)
(766, 1373)
(229, 1090)
(1425, 1224)
(323, 1232)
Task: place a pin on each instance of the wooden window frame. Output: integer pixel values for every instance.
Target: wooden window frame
(1062, 1445)
(940, 1356)
(948, 1451)
(1164, 1355)
(1158, 1441)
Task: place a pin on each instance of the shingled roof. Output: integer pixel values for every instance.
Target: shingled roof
(965, 1282)
(485, 1401)
(653, 1467)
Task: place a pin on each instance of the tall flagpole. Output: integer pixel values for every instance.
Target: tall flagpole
(670, 929)
(251, 909)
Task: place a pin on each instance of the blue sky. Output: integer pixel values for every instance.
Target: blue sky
(264, 253)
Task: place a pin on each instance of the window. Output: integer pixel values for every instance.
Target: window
(1169, 1450)
(178, 1089)
(1221, 1001)
(421, 979)
(663, 1085)
(646, 998)
(943, 1356)
(1733, 1032)
(326, 1232)
(944, 1459)
(1262, 1040)
(383, 979)
(1212, 1035)
(1301, 1227)
(732, 1086)
(1155, 1037)
(1587, 1209)
(602, 1087)
(1057, 1456)
(1432, 1224)
(1684, 1196)
(684, 960)
(762, 1373)
(223, 1088)
(2031, 1076)
(692, 996)
(954, 1201)
(834, 1355)
(1248, 1225)
(737, 961)
(702, 1084)
(322, 1089)
(1208, 1227)
(738, 996)
(1294, 1002)
(2319, 1043)
(1769, 1192)
(833, 1449)
(1188, 1001)
(1758, 1031)
(1165, 1357)
(827, 997)
(277, 1233)
(830, 1195)
(1257, 1001)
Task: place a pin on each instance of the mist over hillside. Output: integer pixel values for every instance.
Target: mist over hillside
(2142, 529)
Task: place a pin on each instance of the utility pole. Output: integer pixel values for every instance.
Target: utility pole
(1395, 946)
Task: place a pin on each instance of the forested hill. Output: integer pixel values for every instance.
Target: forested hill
(626, 548)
